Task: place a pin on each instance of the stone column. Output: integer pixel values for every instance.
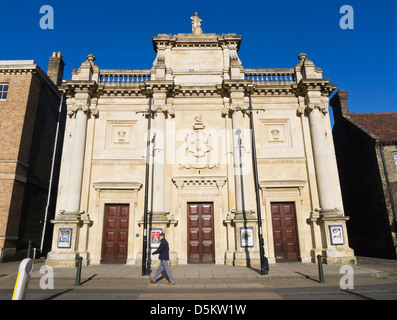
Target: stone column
(329, 216)
(76, 162)
(72, 218)
(314, 100)
(325, 190)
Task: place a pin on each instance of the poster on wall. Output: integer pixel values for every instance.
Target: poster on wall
(336, 232)
(155, 237)
(64, 237)
(247, 236)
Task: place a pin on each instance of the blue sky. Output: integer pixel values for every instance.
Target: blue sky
(119, 33)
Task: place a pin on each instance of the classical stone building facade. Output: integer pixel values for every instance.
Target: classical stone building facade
(366, 151)
(29, 109)
(201, 190)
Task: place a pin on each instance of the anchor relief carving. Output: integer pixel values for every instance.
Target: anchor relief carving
(199, 147)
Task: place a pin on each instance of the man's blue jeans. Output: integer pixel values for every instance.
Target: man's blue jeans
(164, 266)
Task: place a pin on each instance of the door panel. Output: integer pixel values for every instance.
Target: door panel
(200, 233)
(115, 235)
(284, 232)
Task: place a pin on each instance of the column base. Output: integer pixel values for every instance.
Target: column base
(336, 248)
(63, 253)
(62, 259)
(338, 257)
(229, 258)
(247, 259)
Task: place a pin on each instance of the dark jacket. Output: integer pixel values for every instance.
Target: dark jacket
(163, 250)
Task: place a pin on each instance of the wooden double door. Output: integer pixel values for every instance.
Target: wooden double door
(115, 234)
(284, 232)
(200, 246)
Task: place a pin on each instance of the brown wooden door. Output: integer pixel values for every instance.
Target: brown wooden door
(115, 234)
(200, 233)
(284, 232)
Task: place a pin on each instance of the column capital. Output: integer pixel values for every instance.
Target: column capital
(161, 108)
(87, 109)
(81, 95)
(317, 105)
(236, 107)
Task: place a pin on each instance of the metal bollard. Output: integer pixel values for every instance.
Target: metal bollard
(78, 274)
(29, 253)
(21, 285)
(320, 269)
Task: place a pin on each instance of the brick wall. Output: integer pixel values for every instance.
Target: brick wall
(40, 160)
(12, 118)
(28, 121)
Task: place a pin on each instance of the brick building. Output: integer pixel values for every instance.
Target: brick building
(29, 105)
(366, 152)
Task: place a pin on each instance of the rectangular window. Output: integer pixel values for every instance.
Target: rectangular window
(3, 91)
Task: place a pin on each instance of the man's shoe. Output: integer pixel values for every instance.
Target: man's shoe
(152, 281)
(171, 283)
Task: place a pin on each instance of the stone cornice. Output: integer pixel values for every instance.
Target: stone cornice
(167, 86)
(13, 69)
(223, 89)
(189, 40)
(117, 185)
(70, 88)
(217, 181)
(323, 85)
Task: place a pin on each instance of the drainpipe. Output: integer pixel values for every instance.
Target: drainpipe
(51, 176)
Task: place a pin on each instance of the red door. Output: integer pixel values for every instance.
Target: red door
(200, 233)
(284, 232)
(115, 234)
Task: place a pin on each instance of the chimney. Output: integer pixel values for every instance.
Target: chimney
(55, 68)
(339, 104)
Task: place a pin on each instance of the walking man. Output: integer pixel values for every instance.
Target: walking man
(163, 251)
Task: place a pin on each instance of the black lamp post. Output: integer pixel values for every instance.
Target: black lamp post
(263, 259)
(145, 210)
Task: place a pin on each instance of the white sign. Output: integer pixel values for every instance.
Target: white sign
(336, 232)
(247, 237)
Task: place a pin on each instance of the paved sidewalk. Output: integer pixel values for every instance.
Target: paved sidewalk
(373, 279)
(368, 267)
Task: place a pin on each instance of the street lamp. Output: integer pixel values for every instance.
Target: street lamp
(145, 210)
(263, 259)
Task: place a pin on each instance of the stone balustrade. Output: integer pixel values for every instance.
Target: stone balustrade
(271, 76)
(114, 76)
(263, 76)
